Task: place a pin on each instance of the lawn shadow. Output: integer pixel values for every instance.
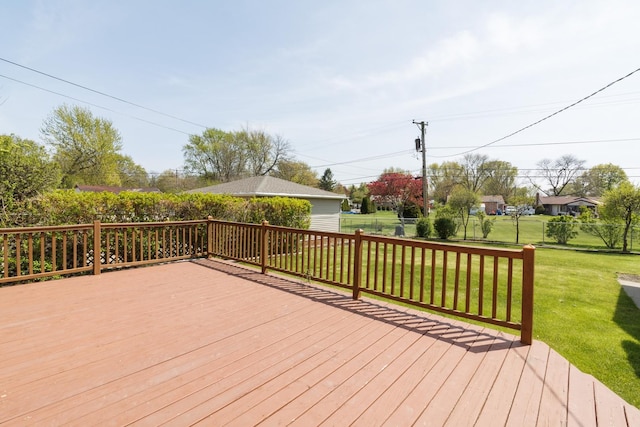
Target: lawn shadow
(627, 316)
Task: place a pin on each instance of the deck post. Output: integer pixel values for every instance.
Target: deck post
(264, 249)
(209, 236)
(97, 262)
(528, 258)
(357, 264)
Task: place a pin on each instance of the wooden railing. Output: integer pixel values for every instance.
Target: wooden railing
(33, 253)
(134, 244)
(38, 252)
(489, 285)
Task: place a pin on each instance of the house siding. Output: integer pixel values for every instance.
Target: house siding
(325, 215)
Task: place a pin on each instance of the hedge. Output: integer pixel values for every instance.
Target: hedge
(70, 207)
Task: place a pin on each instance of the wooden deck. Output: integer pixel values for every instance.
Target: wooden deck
(211, 343)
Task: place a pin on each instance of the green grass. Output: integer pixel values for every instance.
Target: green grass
(532, 230)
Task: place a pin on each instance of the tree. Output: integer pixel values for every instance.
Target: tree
(365, 206)
(623, 203)
(461, 201)
(327, 182)
(85, 147)
(522, 205)
(26, 170)
(474, 171)
(609, 230)
(356, 194)
(215, 155)
(263, 152)
(171, 181)
(443, 178)
(598, 180)
(501, 179)
(558, 174)
(131, 173)
(295, 171)
(396, 189)
(225, 156)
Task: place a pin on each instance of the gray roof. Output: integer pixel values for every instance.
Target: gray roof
(268, 186)
(568, 200)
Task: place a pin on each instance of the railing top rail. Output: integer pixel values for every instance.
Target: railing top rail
(151, 224)
(46, 228)
(243, 224)
(479, 250)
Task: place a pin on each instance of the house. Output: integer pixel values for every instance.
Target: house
(325, 205)
(111, 189)
(566, 205)
(493, 204)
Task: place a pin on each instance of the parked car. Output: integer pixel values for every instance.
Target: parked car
(510, 210)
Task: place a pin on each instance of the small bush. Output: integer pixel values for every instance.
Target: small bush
(411, 210)
(365, 206)
(562, 229)
(423, 227)
(486, 224)
(445, 227)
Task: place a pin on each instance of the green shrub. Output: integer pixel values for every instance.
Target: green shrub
(411, 210)
(486, 224)
(423, 227)
(364, 206)
(445, 227)
(70, 207)
(562, 229)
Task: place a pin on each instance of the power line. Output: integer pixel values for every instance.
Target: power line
(93, 105)
(102, 93)
(545, 118)
(536, 144)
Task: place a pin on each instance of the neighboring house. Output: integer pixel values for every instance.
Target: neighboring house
(325, 205)
(493, 204)
(115, 190)
(566, 205)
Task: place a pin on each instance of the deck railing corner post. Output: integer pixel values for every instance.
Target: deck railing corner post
(264, 247)
(97, 237)
(357, 267)
(209, 236)
(528, 259)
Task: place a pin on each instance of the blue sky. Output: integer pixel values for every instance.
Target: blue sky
(340, 80)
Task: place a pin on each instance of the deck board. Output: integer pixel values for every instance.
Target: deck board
(213, 343)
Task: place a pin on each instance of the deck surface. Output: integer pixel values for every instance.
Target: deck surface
(212, 343)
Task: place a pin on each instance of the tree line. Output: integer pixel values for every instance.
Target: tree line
(82, 149)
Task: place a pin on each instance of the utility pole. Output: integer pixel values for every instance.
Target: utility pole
(421, 146)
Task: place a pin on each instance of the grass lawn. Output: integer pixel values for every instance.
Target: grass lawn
(580, 309)
(532, 229)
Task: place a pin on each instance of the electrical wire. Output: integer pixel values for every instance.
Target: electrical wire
(94, 105)
(544, 118)
(102, 93)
